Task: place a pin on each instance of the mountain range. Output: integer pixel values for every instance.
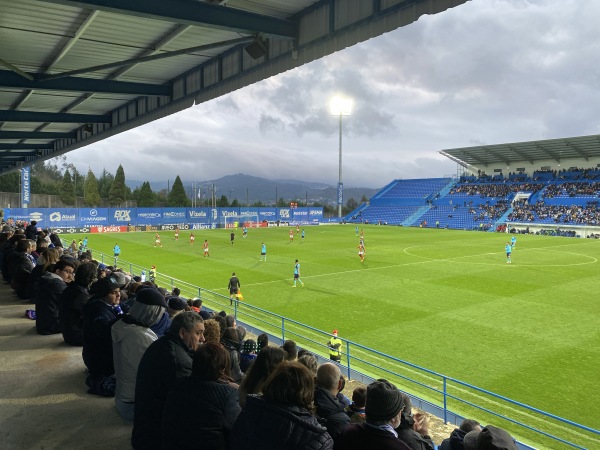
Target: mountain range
(248, 189)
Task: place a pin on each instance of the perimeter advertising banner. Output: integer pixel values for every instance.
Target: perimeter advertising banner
(27, 215)
(148, 216)
(174, 215)
(93, 216)
(268, 214)
(25, 186)
(62, 217)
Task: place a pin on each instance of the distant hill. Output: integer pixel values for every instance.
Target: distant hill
(247, 188)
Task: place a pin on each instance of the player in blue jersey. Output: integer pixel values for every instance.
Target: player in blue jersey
(244, 232)
(513, 241)
(116, 251)
(263, 252)
(302, 234)
(297, 274)
(508, 252)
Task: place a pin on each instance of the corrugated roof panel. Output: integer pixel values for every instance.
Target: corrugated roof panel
(275, 8)
(8, 97)
(94, 105)
(41, 17)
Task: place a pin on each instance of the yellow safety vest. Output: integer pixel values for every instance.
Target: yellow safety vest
(336, 343)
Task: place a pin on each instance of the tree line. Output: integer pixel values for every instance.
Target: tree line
(57, 177)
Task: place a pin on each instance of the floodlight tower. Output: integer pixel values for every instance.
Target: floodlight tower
(340, 106)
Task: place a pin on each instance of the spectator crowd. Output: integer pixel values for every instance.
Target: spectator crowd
(186, 378)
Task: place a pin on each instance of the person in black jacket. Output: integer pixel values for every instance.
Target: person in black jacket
(232, 344)
(99, 314)
(47, 299)
(329, 408)
(31, 230)
(205, 402)
(282, 418)
(73, 298)
(22, 263)
(166, 360)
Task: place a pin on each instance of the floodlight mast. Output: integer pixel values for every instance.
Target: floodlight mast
(340, 106)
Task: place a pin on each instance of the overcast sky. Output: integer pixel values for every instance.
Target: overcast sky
(486, 72)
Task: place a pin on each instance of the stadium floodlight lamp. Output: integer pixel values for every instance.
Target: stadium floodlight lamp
(341, 106)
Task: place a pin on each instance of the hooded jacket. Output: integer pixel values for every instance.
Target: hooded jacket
(130, 341)
(331, 411)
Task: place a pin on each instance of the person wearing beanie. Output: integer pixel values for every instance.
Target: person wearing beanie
(248, 354)
(131, 336)
(329, 384)
(99, 314)
(494, 438)
(176, 306)
(382, 415)
(164, 362)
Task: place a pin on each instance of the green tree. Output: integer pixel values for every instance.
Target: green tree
(364, 199)
(118, 192)
(258, 204)
(282, 203)
(91, 194)
(10, 182)
(104, 183)
(235, 203)
(222, 202)
(177, 196)
(144, 196)
(351, 204)
(67, 190)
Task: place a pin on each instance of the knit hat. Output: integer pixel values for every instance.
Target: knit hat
(104, 286)
(470, 440)
(249, 346)
(150, 296)
(334, 332)
(177, 304)
(494, 438)
(384, 401)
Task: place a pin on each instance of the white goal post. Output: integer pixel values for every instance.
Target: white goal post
(247, 220)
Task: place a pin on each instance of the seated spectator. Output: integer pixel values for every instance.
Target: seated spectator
(262, 341)
(222, 323)
(414, 430)
(310, 361)
(21, 265)
(164, 323)
(382, 416)
(212, 331)
(327, 404)
(200, 410)
(291, 350)
(494, 438)
(164, 362)
(248, 354)
(232, 345)
(455, 441)
(176, 306)
(72, 300)
(282, 417)
(356, 410)
(99, 314)
(48, 258)
(131, 336)
(266, 361)
(230, 321)
(47, 300)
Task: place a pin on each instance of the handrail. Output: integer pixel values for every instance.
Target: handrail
(424, 385)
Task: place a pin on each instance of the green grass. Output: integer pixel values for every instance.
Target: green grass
(442, 299)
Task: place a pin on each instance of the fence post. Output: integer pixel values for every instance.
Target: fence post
(445, 401)
(282, 330)
(348, 356)
(199, 293)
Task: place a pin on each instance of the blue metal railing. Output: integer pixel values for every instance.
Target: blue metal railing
(446, 397)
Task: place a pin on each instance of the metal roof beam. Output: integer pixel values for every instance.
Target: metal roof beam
(517, 152)
(499, 157)
(79, 84)
(192, 12)
(16, 156)
(576, 150)
(32, 116)
(547, 152)
(475, 158)
(26, 147)
(36, 135)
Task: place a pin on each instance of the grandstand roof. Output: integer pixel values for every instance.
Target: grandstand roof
(74, 72)
(583, 147)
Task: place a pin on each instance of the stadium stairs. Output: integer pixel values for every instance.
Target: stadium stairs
(43, 393)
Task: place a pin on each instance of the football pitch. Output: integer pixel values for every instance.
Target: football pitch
(445, 300)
